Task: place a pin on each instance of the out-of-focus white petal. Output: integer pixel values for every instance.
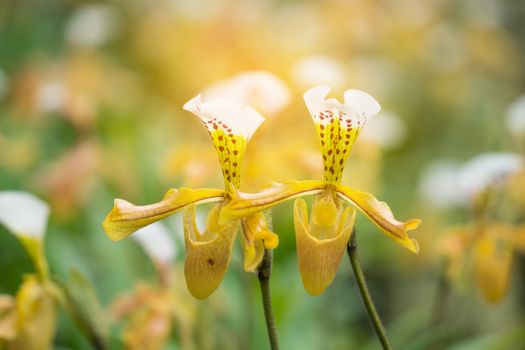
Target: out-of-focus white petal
(260, 89)
(23, 214)
(487, 170)
(51, 96)
(386, 130)
(318, 70)
(515, 119)
(232, 115)
(439, 184)
(156, 242)
(92, 25)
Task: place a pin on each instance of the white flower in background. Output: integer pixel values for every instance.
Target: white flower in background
(51, 96)
(515, 119)
(4, 83)
(318, 70)
(92, 25)
(156, 242)
(23, 214)
(439, 184)
(386, 130)
(487, 170)
(260, 89)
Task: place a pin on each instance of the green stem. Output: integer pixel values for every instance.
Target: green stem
(264, 273)
(365, 294)
(441, 296)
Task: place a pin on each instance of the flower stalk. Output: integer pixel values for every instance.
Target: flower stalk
(365, 294)
(264, 273)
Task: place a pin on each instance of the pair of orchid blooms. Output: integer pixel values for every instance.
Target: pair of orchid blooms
(321, 240)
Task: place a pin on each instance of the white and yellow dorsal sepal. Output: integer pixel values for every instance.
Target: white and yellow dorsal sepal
(231, 123)
(338, 124)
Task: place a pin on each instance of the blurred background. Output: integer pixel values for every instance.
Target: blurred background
(91, 97)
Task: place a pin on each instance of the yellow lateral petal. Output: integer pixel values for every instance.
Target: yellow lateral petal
(36, 313)
(244, 204)
(319, 259)
(207, 254)
(381, 216)
(126, 218)
(492, 266)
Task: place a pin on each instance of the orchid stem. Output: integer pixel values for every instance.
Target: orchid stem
(365, 294)
(441, 296)
(264, 273)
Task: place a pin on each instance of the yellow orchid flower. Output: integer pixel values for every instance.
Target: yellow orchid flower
(230, 123)
(321, 241)
(490, 248)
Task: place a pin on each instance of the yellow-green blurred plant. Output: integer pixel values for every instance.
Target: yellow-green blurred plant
(28, 321)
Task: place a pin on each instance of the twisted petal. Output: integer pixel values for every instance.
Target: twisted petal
(255, 238)
(126, 218)
(207, 254)
(318, 258)
(381, 216)
(492, 265)
(245, 204)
